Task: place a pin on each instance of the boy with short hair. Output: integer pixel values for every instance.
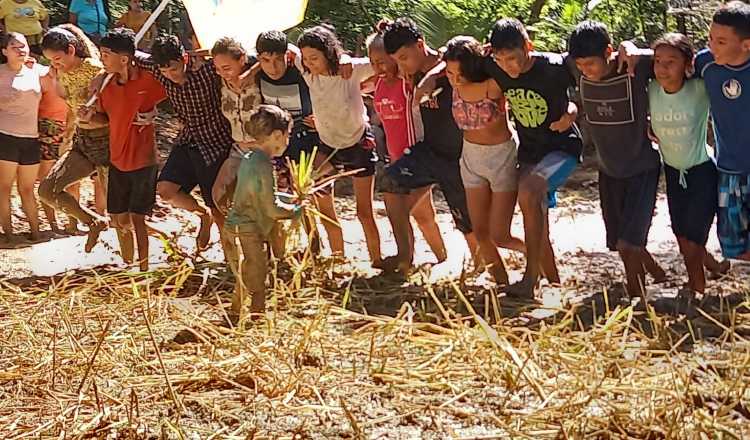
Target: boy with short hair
(725, 68)
(129, 101)
(536, 87)
(205, 139)
(256, 210)
(616, 107)
(432, 160)
(282, 84)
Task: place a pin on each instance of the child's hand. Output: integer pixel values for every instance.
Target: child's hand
(652, 136)
(309, 120)
(567, 120)
(629, 55)
(346, 69)
(86, 113)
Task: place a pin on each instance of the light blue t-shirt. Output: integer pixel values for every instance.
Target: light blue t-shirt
(92, 17)
(729, 91)
(680, 121)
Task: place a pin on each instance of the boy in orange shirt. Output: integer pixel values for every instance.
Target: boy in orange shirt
(129, 101)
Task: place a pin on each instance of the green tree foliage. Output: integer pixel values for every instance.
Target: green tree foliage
(549, 21)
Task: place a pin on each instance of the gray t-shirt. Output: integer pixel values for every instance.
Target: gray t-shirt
(616, 110)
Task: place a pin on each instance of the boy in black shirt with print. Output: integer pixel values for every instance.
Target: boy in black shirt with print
(616, 107)
(536, 87)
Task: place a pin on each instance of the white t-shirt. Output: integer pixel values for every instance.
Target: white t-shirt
(340, 113)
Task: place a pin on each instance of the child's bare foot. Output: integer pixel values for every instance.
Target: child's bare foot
(204, 233)
(95, 229)
(394, 264)
(35, 237)
(721, 268)
(441, 255)
(658, 274)
(377, 264)
(522, 289)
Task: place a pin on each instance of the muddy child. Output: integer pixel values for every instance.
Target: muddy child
(256, 208)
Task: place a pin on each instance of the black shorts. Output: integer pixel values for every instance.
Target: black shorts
(131, 191)
(628, 207)
(420, 167)
(301, 140)
(23, 151)
(186, 167)
(361, 155)
(693, 208)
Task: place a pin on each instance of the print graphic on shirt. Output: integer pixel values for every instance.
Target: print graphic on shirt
(389, 109)
(284, 96)
(529, 108)
(672, 124)
(24, 12)
(732, 88)
(609, 102)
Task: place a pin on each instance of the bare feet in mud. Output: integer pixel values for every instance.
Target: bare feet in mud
(524, 289)
(95, 229)
(393, 264)
(204, 233)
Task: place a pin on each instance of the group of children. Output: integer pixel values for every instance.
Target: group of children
(490, 125)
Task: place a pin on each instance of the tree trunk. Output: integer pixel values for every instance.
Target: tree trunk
(535, 11)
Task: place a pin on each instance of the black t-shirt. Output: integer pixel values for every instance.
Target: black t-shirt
(440, 130)
(616, 109)
(538, 98)
(289, 92)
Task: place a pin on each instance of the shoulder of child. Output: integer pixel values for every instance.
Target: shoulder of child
(702, 60)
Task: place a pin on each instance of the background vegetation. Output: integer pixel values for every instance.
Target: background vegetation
(550, 20)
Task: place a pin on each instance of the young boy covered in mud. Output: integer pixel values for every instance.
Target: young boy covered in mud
(256, 208)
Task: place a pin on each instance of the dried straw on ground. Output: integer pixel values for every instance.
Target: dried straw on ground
(104, 355)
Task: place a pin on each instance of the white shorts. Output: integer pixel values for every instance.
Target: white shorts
(490, 165)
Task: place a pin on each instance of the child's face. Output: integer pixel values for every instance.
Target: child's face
(273, 64)
(229, 67)
(175, 70)
(453, 72)
(410, 58)
(135, 4)
(727, 46)
(114, 62)
(594, 68)
(62, 61)
(670, 65)
(17, 50)
(315, 61)
(382, 64)
(512, 61)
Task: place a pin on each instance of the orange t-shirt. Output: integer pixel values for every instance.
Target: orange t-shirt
(52, 106)
(131, 147)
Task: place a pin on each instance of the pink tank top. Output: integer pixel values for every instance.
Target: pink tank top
(20, 93)
(478, 114)
(393, 103)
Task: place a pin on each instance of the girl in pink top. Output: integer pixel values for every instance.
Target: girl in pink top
(402, 126)
(20, 94)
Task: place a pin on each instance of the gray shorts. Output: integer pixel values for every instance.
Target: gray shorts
(490, 165)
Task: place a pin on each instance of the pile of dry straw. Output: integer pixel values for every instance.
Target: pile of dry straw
(106, 354)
